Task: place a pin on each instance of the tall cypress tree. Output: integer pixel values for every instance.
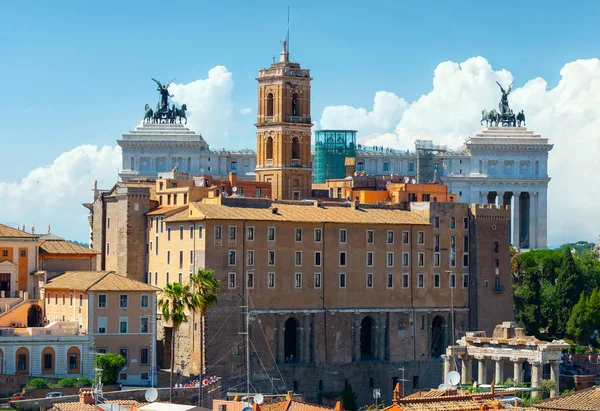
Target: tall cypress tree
(528, 301)
(569, 285)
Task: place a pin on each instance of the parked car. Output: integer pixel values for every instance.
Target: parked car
(55, 394)
(16, 397)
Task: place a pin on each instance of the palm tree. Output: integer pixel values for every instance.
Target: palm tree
(176, 300)
(206, 288)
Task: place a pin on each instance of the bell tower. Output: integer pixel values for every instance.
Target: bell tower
(283, 129)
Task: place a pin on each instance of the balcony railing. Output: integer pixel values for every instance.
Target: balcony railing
(268, 119)
(269, 162)
(295, 163)
(498, 288)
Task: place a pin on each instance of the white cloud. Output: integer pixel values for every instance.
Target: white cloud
(569, 115)
(246, 111)
(54, 194)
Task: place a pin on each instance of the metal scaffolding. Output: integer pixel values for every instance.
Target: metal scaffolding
(427, 169)
(332, 147)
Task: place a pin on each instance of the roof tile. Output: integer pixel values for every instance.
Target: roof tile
(96, 281)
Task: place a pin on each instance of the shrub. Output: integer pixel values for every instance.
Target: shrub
(83, 382)
(66, 382)
(110, 365)
(36, 383)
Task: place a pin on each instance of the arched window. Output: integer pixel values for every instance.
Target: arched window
(290, 345)
(438, 336)
(73, 358)
(295, 105)
(295, 148)
(269, 148)
(48, 360)
(22, 360)
(367, 339)
(34, 316)
(270, 105)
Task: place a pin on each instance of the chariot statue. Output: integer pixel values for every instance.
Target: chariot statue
(505, 116)
(164, 113)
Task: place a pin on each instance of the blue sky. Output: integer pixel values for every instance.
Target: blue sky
(78, 72)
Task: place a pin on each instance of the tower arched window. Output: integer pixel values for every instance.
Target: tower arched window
(295, 104)
(295, 148)
(290, 345)
(270, 105)
(269, 148)
(438, 336)
(367, 339)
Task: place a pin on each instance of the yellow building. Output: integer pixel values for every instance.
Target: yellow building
(18, 258)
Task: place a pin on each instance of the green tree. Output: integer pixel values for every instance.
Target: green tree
(349, 398)
(66, 382)
(205, 288)
(36, 383)
(578, 326)
(527, 298)
(110, 365)
(175, 301)
(569, 285)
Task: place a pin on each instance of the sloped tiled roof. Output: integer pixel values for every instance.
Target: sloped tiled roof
(6, 231)
(63, 247)
(77, 406)
(303, 213)
(96, 281)
(292, 405)
(584, 400)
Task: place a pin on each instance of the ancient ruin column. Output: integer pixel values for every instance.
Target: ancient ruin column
(499, 376)
(465, 375)
(554, 376)
(517, 370)
(481, 369)
(516, 221)
(447, 365)
(535, 377)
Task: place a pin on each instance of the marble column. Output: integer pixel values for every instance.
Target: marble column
(500, 198)
(533, 207)
(516, 219)
(542, 218)
(554, 376)
(499, 375)
(481, 370)
(465, 375)
(518, 370)
(535, 377)
(447, 365)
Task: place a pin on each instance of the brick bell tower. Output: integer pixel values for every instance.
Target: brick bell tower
(283, 129)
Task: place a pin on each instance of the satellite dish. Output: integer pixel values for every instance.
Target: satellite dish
(151, 394)
(234, 189)
(442, 387)
(453, 378)
(413, 181)
(259, 399)
(406, 179)
(248, 408)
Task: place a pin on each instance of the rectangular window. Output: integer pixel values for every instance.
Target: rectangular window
(180, 233)
(452, 223)
(271, 234)
(465, 259)
(411, 167)
(369, 280)
(421, 280)
(168, 233)
(200, 232)
(232, 232)
(64, 300)
(405, 260)
(370, 236)
(369, 258)
(144, 357)
(298, 258)
(436, 222)
(405, 237)
(192, 258)
(436, 259)
(191, 232)
(343, 234)
(123, 300)
(390, 259)
(47, 361)
(144, 301)
(231, 257)
(317, 280)
(250, 233)
(298, 280)
(465, 223)
(318, 235)
(436, 243)
(496, 246)
(271, 280)
(466, 243)
(155, 278)
(390, 237)
(422, 328)
(386, 166)
(156, 245)
(144, 325)
(231, 280)
(342, 258)
(123, 325)
(107, 248)
(22, 360)
(73, 362)
(167, 278)
(70, 300)
(405, 280)
(218, 233)
(124, 352)
(180, 278)
(101, 325)
(250, 257)
(55, 298)
(465, 280)
(250, 279)
(421, 237)
(317, 258)
(452, 253)
(421, 259)
(81, 300)
(436, 280)
(342, 280)
(108, 222)
(168, 256)
(390, 280)
(452, 280)
(271, 257)
(298, 235)
(180, 259)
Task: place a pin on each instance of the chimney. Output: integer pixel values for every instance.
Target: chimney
(290, 395)
(256, 407)
(355, 204)
(232, 178)
(318, 203)
(398, 392)
(86, 397)
(275, 210)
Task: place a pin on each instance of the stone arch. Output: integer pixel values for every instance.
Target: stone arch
(291, 340)
(22, 361)
(34, 316)
(73, 360)
(295, 148)
(367, 339)
(269, 149)
(48, 360)
(270, 105)
(438, 336)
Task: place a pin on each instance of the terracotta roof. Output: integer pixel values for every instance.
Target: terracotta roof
(587, 399)
(77, 406)
(292, 405)
(149, 184)
(64, 247)
(167, 210)
(302, 213)
(96, 281)
(6, 231)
